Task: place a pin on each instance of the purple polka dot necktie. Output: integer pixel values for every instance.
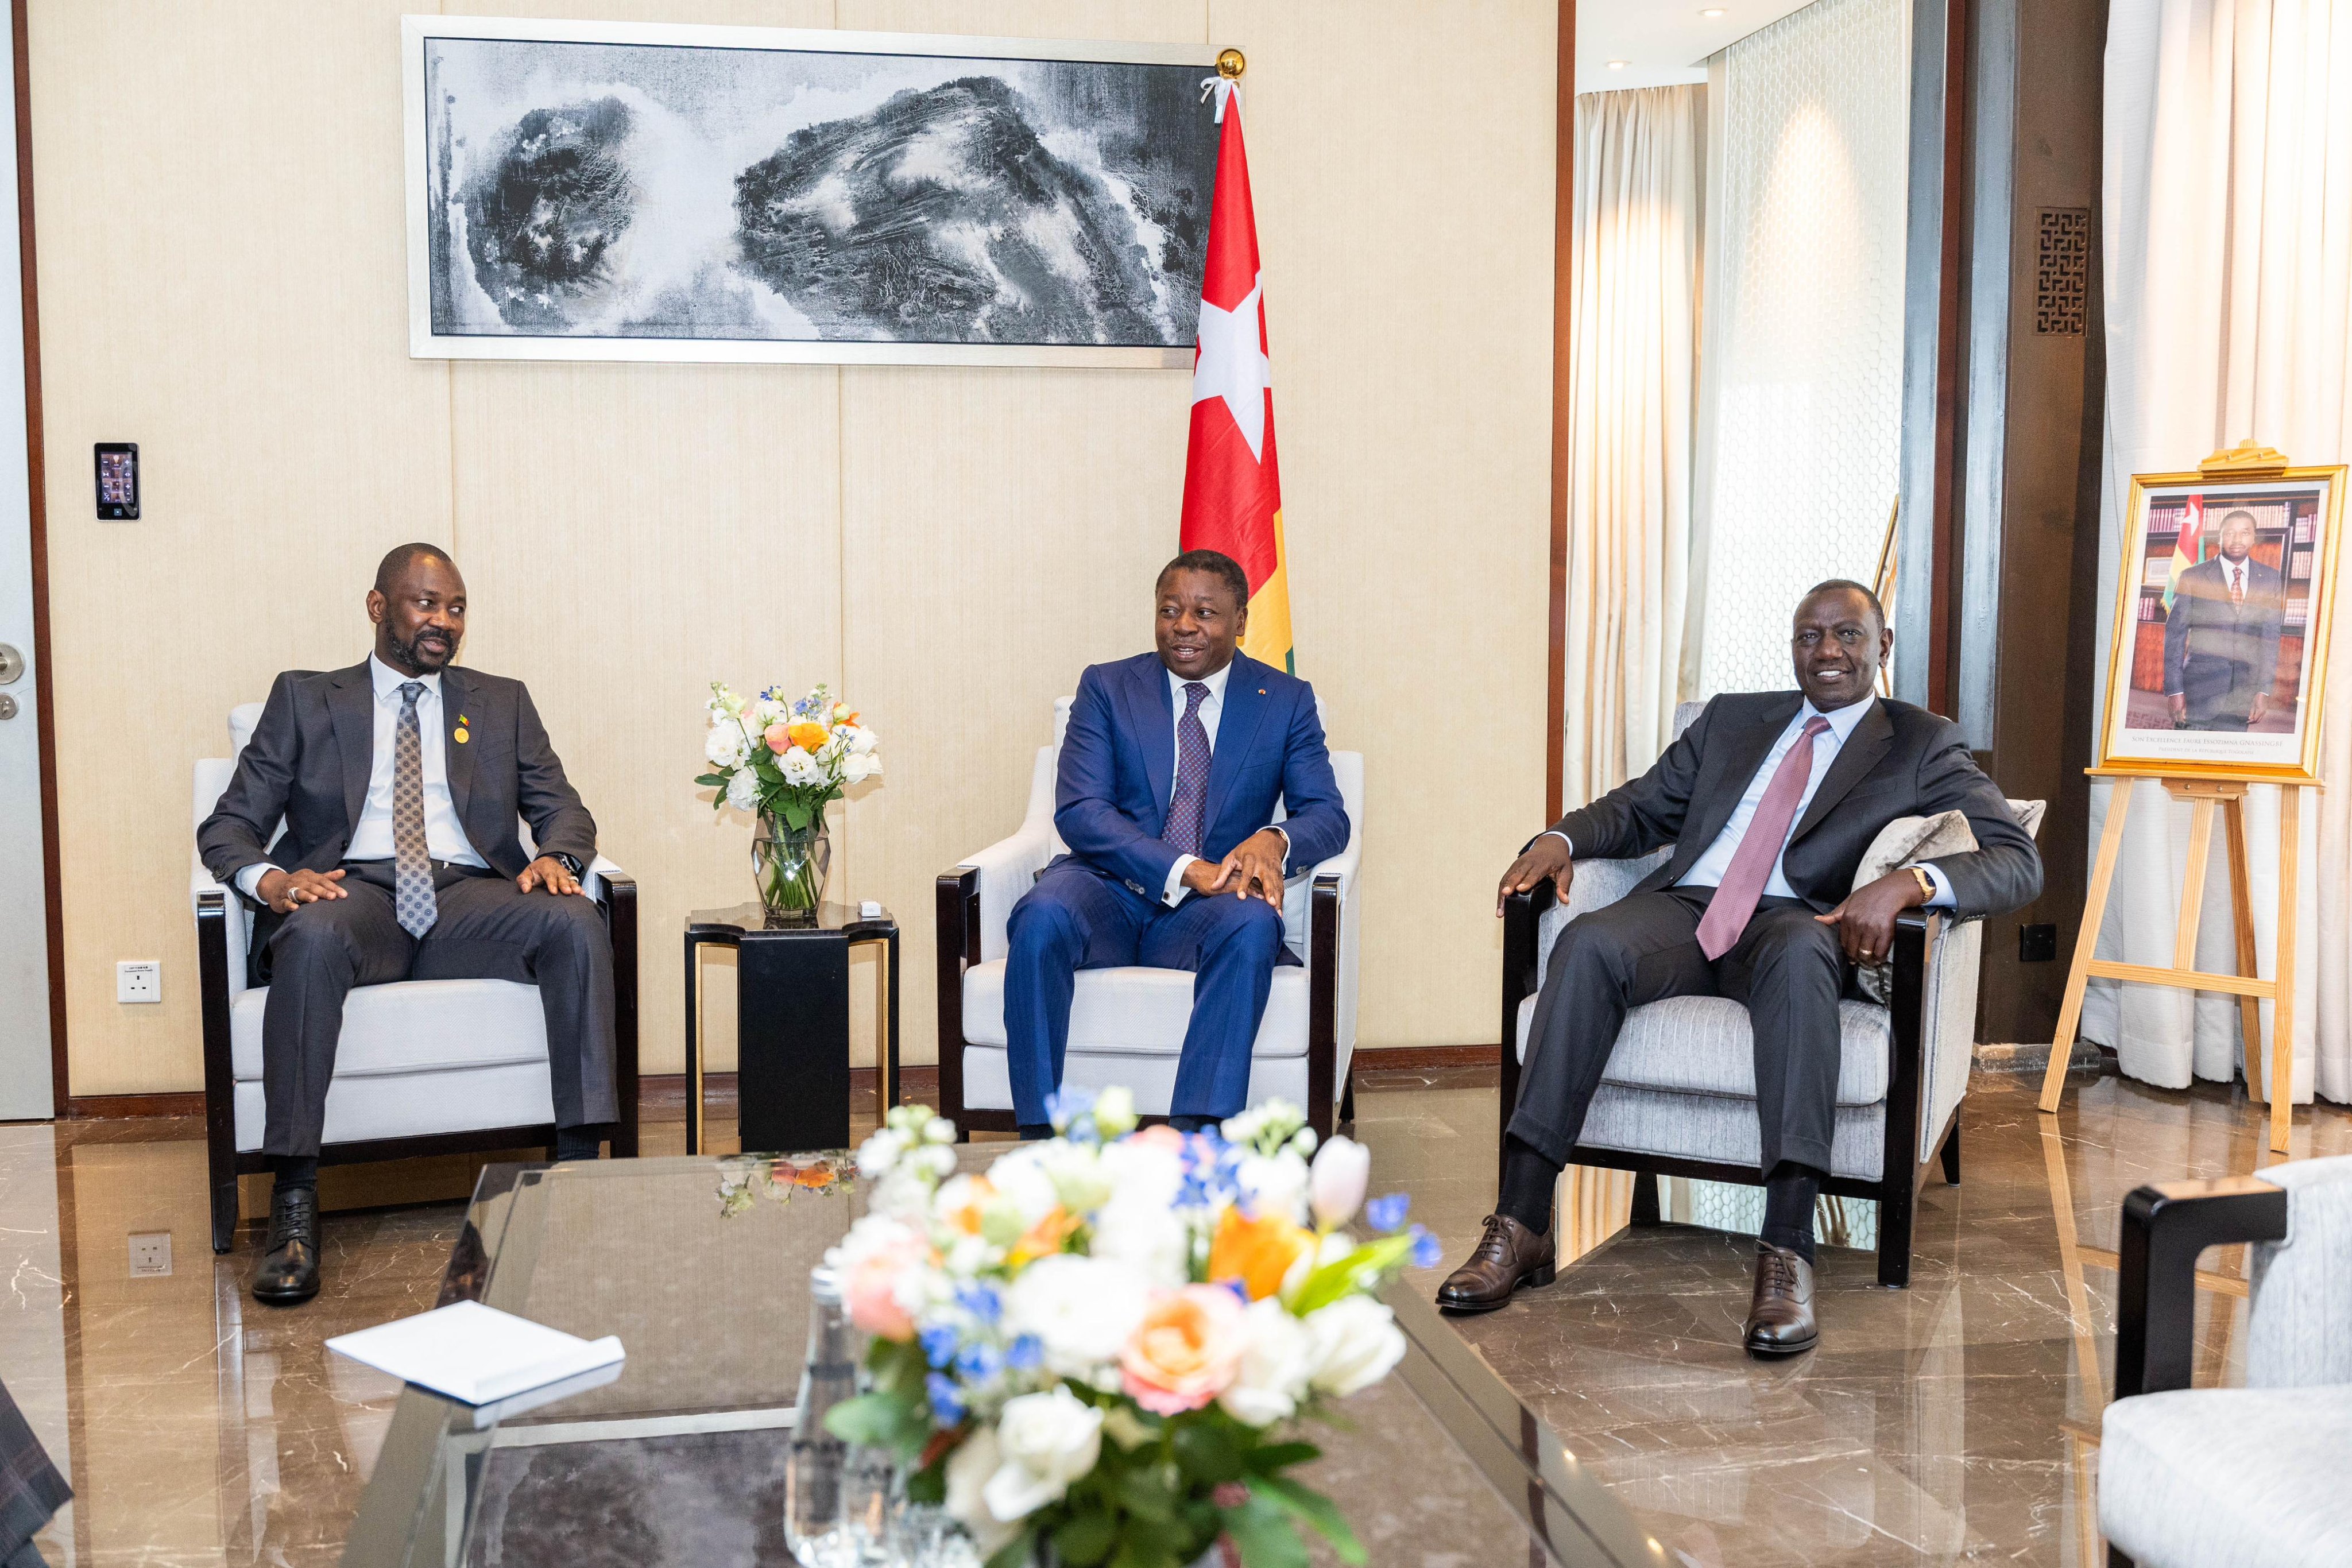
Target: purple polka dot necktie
(411, 867)
(1188, 809)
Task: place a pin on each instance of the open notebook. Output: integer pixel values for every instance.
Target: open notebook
(477, 1354)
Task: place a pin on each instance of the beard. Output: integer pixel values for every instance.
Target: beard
(435, 654)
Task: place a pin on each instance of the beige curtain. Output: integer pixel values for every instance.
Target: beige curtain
(2228, 208)
(1638, 178)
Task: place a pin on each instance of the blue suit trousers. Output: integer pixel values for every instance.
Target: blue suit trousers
(1073, 919)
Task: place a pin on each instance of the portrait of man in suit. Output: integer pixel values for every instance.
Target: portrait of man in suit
(2221, 635)
(400, 781)
(1170, 770)
(1769, 800)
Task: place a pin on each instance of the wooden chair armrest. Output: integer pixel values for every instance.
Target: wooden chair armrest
(2165, 1226)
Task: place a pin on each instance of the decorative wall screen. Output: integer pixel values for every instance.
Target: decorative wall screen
(1801, 406)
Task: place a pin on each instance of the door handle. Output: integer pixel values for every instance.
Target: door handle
(12, 666)
(7, 707)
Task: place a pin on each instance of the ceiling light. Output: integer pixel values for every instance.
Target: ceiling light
(1712, 11)
(1618, 65)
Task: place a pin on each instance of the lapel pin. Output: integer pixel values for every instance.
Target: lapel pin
(1261, 691)
(459, 734)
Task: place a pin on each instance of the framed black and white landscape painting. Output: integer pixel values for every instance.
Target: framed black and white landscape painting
(595, 190)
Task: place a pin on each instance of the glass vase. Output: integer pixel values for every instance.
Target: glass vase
(789, 865)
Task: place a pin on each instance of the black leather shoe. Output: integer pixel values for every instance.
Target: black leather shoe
(1780, 1314)
(1508, 1256)
(288, 1272)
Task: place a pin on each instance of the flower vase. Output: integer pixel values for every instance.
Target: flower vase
(790, 865)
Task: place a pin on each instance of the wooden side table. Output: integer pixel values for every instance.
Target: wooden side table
(792, 989)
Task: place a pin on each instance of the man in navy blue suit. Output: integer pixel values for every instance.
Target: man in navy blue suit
(1170, 770)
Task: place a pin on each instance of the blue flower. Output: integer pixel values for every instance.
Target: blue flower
(1025, 1353)
(939, 1344)
(1426, 1253)
(978, 1362)
(1385, 1214)
(1065, 1106)
(980, 1300)
(947, 1403)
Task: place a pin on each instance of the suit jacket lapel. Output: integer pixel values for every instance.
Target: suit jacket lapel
(1746, 753)
(456, 756)
(351, 704)
(1855, 758)
(1245, 705)
(1151, 711)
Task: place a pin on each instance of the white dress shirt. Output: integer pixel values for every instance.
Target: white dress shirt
(1213, 710)
(1709, 869)
(445, 840)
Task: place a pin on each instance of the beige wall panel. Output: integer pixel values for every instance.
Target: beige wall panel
(224, 281)
(630, 533)
(1131, 21)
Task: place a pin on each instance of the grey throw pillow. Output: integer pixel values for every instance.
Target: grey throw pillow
(1907, 840)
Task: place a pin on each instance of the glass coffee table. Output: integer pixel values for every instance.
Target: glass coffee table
(701, 1266)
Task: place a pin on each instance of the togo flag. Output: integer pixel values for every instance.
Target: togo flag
(1233, 492)
(2188, 546)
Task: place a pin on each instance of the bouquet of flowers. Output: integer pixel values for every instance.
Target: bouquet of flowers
(1097, 1351)
(785, 759)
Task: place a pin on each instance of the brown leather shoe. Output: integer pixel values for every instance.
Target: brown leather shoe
(1781, 1315)
(1508, 1256)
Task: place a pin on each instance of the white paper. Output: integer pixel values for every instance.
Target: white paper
(476, 1353)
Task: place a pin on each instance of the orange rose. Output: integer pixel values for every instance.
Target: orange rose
(1256, 1252)
(1186, 1350)
(779, 737)
(1044, 1237)
(811, 737)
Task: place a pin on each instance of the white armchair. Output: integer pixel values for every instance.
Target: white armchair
(1126, 1025)
(424, 1067)
(1678, 1097)
(2233, 1477)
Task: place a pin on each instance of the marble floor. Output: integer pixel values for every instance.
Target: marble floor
(1954, 1421)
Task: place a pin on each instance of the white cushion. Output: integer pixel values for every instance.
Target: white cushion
(1718, 1128)
(413, 1027)
(988, 1083)
(1134, 1011)
(1702, 1045)
(412, 1104)
(2299, 1327)
(2230, 1478)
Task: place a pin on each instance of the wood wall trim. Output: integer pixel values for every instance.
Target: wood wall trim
(1563, 381)
(120, 1107)
(1951, 415)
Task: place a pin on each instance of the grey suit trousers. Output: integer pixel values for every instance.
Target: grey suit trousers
(1787, 967)
(487, 929)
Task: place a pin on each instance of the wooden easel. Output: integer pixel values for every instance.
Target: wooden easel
(2204, 795)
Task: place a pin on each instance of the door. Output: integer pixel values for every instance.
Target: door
(25, 1086)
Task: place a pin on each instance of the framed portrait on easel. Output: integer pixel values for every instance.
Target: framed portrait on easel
(2221, 621)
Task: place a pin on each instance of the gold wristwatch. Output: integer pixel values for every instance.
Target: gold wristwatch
(1927, 882)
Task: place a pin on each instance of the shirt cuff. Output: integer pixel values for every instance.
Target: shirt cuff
(249, 877)
(1563, 838)
(1173, 893)
(1277, 828)
(1942, 897)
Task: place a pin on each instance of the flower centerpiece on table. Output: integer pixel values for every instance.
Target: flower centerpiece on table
(785, 759)
(1099, 1351)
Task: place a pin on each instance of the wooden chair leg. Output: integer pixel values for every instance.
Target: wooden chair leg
(1952, 1155)
(224, 1192)
(1895, 1230)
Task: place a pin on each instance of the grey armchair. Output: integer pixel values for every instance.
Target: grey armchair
(2234, 1478)
(1679, 1094)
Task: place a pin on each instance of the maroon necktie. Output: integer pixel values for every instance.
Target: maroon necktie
(1759, 846)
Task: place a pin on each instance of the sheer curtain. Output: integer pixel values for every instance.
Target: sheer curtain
(1801, 410)
(1640, 165)
(2228, 312)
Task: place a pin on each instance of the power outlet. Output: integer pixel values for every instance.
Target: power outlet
(150, 1254)
(139, 980)
(2037, 943)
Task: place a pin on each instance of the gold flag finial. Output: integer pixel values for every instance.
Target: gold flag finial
(1231, 64)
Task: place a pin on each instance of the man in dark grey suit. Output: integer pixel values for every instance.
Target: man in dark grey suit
(1771, 800)
(2222, 637)
(400, 781)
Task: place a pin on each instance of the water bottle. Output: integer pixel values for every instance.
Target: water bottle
(818, 1463)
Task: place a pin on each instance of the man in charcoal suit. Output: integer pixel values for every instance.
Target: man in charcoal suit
(400, 781)
(1771, 800)
(1169, 773)
(2221, 636)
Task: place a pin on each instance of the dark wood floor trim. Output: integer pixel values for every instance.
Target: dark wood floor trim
(1563, 383)
(43, 689)
(109, 1107)
(1419, 1058)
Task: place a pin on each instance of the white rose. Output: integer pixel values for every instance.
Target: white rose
(1078, 1176)
(1352, 1344)
(879, 1152)
(799, 767)
(855, 769)
(1146, 1237)
(1274, 1366)
(1115, 1112)
(1343, 1166)
(1274, 1184)
(969, 1468)
(862, 740)
(1144, 1173)
(725, 745)
(1021, 1179)
(743, 791)
(1044, 1442)
(1081, 1308)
